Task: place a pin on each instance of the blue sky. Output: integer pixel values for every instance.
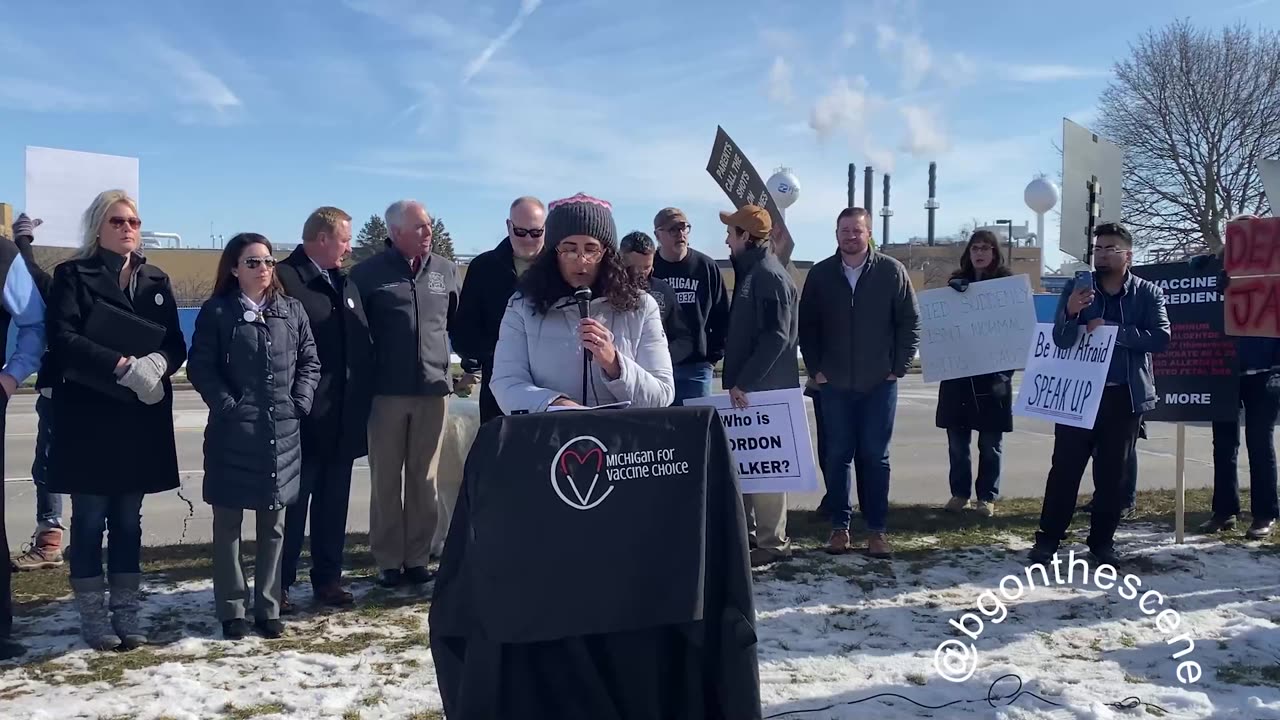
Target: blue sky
(247, 115)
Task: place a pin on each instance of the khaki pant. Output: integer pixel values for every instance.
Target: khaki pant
(767, 522)
(404, 451)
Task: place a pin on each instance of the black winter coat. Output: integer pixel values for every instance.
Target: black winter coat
(337, 427)
(258, 376)
(983, 402)
(488, 285)
(110, 446)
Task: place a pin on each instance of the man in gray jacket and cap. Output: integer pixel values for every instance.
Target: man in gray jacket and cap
(409, 295)
(760, 353)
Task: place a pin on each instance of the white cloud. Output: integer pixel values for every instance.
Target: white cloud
(925, 136)
(907, 52)
(848, 39)
(959, 70)
(1037, 73)
(527, 7)
(780, 81)
(196, 85)
(845, 108)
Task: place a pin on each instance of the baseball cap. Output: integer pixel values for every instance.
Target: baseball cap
(668, 215)
(752, 218)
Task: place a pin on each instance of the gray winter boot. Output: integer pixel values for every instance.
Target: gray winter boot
(91, 601)
(126, 602)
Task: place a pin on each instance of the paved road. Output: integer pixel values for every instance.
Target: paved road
(919, 455)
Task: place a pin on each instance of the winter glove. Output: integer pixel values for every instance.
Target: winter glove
(143, 376)
(24, 228)
(999, 386)
(958, 284)
(1223, 281)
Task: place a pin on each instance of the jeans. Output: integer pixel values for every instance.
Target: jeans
(48, 505)
(1111, 442)
(692, 381)
(858, 427)
(326, 491)
(990, 448)
(120, 516)
(1260, 411)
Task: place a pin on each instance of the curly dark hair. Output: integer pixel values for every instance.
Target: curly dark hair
(998, 269)
(544, 286)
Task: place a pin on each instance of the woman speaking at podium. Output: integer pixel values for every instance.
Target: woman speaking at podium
(579, 298)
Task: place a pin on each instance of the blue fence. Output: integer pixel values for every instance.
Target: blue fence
(1045, 306)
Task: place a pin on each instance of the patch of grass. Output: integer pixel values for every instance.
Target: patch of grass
(1128, 641)
(371, 699)
(108, 667)
(351, 714)
(426, 715)
(1251, 675)
(916, 679)
(251, 711)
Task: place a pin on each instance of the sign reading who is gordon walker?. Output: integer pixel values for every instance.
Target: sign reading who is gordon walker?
(1064, 385)
(985, 329)
(770, 440)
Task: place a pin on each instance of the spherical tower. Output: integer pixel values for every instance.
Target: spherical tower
(1041, 196)
(784, 187)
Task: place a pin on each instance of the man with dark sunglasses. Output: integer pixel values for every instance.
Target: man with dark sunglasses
(703, 299)
(487, 286)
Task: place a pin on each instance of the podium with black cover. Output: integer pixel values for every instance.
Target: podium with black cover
(596, 568)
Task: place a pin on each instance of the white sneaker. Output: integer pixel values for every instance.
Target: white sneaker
(956, 504)
(986, 509)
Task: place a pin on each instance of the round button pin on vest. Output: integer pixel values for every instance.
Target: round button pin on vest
(159, 299)
(249, 315)
(351, 303)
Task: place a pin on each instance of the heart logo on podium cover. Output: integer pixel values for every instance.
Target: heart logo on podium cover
(576, 473)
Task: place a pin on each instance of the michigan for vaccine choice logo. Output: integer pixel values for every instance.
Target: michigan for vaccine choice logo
(577, 473)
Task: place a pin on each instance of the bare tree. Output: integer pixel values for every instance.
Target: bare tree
(1194, 110)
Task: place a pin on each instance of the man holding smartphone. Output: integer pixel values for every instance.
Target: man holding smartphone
(1112, 296)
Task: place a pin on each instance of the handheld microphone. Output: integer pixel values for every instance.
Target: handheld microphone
(583, 296)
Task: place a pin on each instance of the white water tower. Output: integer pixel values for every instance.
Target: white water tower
(784, 187)
(1041, 196)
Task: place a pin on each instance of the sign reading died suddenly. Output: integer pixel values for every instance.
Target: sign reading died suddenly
(985, 329)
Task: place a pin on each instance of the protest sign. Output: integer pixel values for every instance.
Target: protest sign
(1064, 386)
(1252, 260)
(738, 178)
(1196, 375)
(61, 184)
(985, 329)
(770, 440)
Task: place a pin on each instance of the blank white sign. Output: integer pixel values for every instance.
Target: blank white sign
(62, 183)
(1270, 171)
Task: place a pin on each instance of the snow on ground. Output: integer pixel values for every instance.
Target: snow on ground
(830, 630)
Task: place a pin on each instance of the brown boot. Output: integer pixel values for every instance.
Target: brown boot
(44, 552)
(332, 595)
(878, 546)
(838, 544)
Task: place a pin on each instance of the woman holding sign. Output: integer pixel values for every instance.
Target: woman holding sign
(982, 403)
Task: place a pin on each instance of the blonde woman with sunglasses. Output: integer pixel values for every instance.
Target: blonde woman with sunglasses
(114, 335)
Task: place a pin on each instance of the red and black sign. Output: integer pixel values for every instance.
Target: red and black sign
(1196, 377)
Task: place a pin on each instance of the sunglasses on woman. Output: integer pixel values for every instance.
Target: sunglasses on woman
(253, 263)
(119, 222)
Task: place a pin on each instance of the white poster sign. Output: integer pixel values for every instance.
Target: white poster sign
(985, 329)
(62, 183)
(1065, 386)
(770, 440)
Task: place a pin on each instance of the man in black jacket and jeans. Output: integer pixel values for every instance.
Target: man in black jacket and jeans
(1136, 308)
(410, 296)
(489, 283)
(333, 433)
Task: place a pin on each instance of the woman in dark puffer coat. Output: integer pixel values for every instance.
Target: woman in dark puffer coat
(981, 403)
(254, 362)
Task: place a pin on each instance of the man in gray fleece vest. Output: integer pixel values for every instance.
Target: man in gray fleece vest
(859, 331)
(410, 295)
(760, 353)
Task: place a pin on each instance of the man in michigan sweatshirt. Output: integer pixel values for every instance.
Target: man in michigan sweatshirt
(702, 297)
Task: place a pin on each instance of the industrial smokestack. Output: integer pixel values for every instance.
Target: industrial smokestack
(868, 188)
(853, 176)
(885, 211)
(932, 203)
